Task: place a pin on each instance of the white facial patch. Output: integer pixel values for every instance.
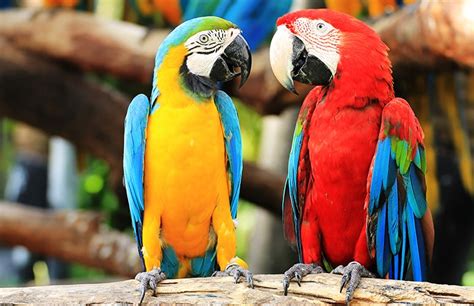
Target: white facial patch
(281, 56)
(321, 39)
(205, 47)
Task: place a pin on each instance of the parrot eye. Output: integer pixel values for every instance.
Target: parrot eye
(203, 38)
(321, 26)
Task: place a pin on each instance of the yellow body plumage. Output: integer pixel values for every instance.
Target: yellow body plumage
(186, 182)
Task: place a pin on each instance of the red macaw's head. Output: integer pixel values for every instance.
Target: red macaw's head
(319, 46)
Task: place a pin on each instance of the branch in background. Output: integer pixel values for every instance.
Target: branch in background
(122, 49)
(430, 33)
(61, 102)
(263, 186)
(71, 236)
(315, 289)
(418, 36)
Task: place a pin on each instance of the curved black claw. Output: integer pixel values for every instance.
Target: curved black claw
(237, 272)
(149, 280)
(351, 275)
(297, 272)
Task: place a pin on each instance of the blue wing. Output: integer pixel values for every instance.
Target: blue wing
(291, 207)
(396, 201)
(233, 145)
(133, 161)
(298, 178)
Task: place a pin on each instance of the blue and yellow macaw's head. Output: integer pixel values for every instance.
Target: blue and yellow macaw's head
(200, 53)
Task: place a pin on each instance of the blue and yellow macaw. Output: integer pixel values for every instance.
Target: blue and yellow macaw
(183, 155)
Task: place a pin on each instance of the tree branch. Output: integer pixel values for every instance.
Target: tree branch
(430, 34)
(322, 288)
(69, 235)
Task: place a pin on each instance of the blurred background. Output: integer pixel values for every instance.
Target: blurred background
(69, 67)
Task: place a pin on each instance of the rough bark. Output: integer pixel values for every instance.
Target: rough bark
(62, 102)
(430, 34)
(322, 288)
(69, 235)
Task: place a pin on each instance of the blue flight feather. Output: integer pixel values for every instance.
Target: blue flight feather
(379, 172)
(403, 254)
(133, 161)
(416, 246)
(382, 248)
(292, 186)
(233, 145)
(414, 193)
(396, 267)
(393, 220)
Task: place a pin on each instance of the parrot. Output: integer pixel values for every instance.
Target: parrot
(355, 196)
(182, 156)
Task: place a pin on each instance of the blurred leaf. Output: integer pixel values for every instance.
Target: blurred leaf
(93, 183)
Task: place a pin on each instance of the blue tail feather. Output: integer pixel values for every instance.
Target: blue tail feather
(169, 262)
(204, 266)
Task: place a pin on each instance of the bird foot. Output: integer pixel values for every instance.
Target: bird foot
(351, 275)
(237, 272)
(149, 280)
(297, 272)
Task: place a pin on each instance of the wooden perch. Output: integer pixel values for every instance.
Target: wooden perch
(69, 235)
(61, 102)
(322, 288)
(79, 237)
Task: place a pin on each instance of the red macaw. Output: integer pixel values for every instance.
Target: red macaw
(356, 172)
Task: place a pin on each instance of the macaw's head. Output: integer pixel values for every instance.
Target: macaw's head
(203, 52)
(321, 46)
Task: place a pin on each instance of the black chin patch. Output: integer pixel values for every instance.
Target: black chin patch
(313, 72)
(307, 68)
(201, 86)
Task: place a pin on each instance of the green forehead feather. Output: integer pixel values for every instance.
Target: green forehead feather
(188, 28)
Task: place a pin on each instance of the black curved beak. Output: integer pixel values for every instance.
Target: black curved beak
(236, 57)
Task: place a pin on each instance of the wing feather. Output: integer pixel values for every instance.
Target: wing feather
(133, 161)
(396, 195)
(233, 145)
(299, 175)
